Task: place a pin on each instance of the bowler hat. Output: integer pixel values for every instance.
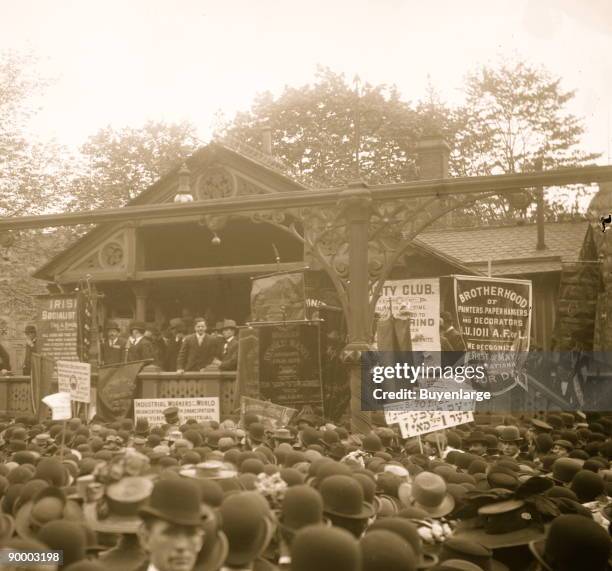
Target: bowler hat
(408, 531)
(66, 536)
(477, 436)
(325, 549)
(229, 324)
(302, 506)
(587, 486)
(343, 496)
(509, 434)
(541, 425)
(111, 325)
(176, 501)
(247, 530)
(430, 494)
(573, 543)
(383, 549)
(257, 432)
(138, 325)
(142, 426)
(30, 329)
(564, 469)
(563, 444)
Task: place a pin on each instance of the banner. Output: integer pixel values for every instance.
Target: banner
(414, 423)
(493, 316)
(272, 415)
(85, 322)
(41, 379)
(75, 378)
(60, 406)
(200, 409)
(57, 327)
(278, 298)
(418, 302)
(290, 364)
(247, 373)
(116, 390)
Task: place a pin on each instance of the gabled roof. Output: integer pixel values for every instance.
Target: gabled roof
(511, 249)
(254, 163)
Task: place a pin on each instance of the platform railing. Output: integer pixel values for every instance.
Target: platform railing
(15, 389)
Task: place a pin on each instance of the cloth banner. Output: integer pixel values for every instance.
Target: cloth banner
(201, 409)
(117, 390)
(247, 373)
(278, 298)
(272, 415)
(41, 380)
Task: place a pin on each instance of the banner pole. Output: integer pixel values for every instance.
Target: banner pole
(64, 425)
(420, 443)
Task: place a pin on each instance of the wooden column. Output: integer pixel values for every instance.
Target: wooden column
(140, 294)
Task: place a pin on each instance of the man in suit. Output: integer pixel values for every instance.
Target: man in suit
(198, 350)
(229, 357)
(174, 341)
(113, 348)
(30, 333)
(139, 347)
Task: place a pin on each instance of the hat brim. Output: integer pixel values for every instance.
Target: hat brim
(427, 560)
(367, 511)
(497, 541)
(444, 508)
(537, 550)
(7, 531)
(214, 558)
(194, 519)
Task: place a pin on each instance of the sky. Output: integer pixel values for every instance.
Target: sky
(123, 62)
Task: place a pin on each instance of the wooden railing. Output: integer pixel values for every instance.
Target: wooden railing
(15, 389)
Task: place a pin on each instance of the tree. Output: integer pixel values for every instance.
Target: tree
(121, 163)
(315, 130)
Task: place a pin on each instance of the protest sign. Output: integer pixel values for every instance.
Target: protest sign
(415, 423)
(59, 403)
(272, 415)
(420, 299)
(57, 327)
(75, 378)
(200, 409)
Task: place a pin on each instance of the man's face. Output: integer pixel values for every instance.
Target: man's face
(227, 333)
(113, 334)
(172, 547)
(478, 448)
(200, 327)
(559, 451)
(508, 448)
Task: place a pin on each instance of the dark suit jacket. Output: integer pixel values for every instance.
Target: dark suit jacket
(114, 353)
(229, 359)
(172, 351)
(142, 350)
(27, 363)
(193, 357)
(5, 360)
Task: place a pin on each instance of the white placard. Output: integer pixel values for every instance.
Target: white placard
(75, 378)
(201, 409)
(414, 423)
(59, 403)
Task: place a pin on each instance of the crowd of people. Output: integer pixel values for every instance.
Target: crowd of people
(501, 493)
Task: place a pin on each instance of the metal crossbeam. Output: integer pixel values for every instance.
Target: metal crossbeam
(502, 184)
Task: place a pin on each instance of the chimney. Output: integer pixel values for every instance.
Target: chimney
(266, 140)
(432, 157)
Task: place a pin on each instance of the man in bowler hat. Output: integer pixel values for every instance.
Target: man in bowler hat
(171, 532)
(113, 347)
(229, 357)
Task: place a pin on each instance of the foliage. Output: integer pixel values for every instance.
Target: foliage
(314, 129)
(121, 163)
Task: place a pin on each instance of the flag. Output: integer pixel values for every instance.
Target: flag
(279, 297)
(117, 390)
(41, 376)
